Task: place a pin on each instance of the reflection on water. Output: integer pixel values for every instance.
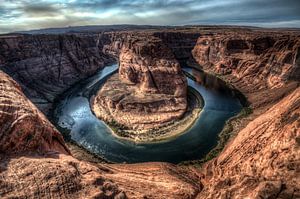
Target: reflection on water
(212, 83)
(73, 114)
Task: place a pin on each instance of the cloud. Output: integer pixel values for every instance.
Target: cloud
(28, 14)
(37, 10)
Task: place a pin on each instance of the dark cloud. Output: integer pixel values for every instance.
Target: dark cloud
(40, 9)
(58, 13)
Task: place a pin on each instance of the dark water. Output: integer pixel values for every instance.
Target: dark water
(74, 115)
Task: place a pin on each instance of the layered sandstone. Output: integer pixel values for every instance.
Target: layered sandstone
(260, 59)
(149, 91)
(23, 127)
(35, 163)
(262, 161)
(46, 65)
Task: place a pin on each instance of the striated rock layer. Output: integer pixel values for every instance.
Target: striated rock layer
(149, 90)
(261, 161)
(46, 65)
(23, 128)
(262, 60)
(35, 163)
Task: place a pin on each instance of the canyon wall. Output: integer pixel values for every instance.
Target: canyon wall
(263, 60)
(35, 162)
(181, 43)
(23, 127)
(46, 65)
(261, 161)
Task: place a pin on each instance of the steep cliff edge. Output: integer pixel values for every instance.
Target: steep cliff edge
(23, 127)
(252, 61)
(34, 162)
(263, 160)
(150, 89)
(46, 65)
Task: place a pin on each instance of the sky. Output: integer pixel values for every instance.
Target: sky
(16, 15)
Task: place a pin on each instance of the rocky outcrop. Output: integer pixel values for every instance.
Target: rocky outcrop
(149, 90)
(259, 59)
(54, 176)
(23, 127)
(46, 65)
(35, 163)
(263, 160)
(61, 176)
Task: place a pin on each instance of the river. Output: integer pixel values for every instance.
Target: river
(73, 115)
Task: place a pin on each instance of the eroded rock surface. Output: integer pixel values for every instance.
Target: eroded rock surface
(259, 59)
(149, 90)
(46, 65)
(35, 163)
(262, 161)
(23, 128)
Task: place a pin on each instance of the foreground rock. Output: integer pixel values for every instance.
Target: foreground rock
(34, 162)
(149, 91)
(23, 128)
(263, 160)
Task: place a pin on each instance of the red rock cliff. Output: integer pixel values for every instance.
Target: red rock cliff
(46, 65)
(263, 160)
(23, 127)
(150, 89)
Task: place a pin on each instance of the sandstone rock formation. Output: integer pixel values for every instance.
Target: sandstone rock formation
(260, 59)
(46, 65)
(262, 161)
(23, 127)
(35, 163)
(150, 89)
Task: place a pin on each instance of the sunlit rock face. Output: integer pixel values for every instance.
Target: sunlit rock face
(260, 59)
(261, 161)
(149, 90)
(33, 155)
(23, 128)
(152, 67)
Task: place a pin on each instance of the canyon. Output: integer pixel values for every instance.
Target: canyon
(260, 160)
